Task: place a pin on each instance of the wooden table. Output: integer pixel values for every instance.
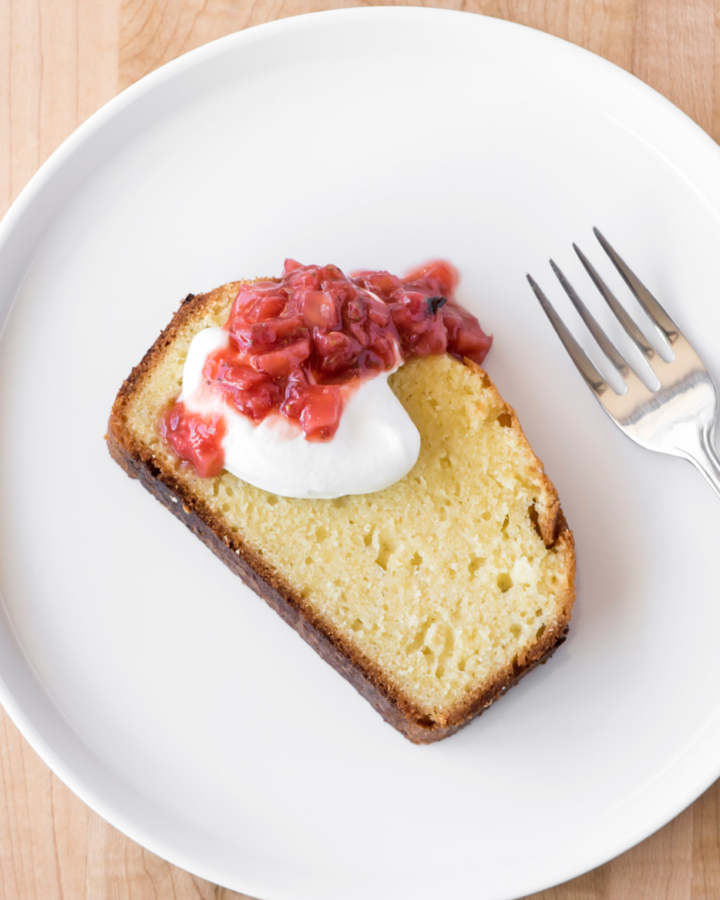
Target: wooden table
(62, 59)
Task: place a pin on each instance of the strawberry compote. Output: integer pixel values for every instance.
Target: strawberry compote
(295, 343)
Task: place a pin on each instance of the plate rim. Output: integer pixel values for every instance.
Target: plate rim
(232, 43)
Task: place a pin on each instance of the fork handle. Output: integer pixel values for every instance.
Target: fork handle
(705, 457)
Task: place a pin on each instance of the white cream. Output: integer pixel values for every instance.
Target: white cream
(376, 443)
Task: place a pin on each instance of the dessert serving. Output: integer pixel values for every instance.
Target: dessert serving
(335, 441)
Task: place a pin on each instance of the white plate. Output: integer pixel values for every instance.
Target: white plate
(170, 698)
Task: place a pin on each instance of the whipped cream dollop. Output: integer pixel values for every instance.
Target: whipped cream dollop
(375, 445)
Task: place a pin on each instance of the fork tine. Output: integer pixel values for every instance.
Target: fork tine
(622, 316)
(588, 371)
(606, 345)
(657, 315)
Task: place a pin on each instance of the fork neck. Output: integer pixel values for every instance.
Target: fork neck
(705, 457)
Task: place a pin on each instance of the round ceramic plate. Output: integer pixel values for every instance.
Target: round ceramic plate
(173, 700)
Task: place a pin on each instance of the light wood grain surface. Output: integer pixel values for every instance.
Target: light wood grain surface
(62, 59)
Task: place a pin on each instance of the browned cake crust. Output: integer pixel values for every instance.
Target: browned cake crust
(367, 678)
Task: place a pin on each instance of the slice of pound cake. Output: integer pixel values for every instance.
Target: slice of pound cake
(432, 594)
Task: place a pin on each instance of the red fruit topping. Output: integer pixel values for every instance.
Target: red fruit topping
(440, 271)
(195, 438)
(317, 406)
(321, 310)
(281, 362)
(294, 342)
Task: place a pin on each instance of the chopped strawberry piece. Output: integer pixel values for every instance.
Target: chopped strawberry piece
(195, 438)
(321, 416)
(386, 349)
(318, 408)
(381, 283)
(442, 272)
(378, 313)
(336, 350)
(320, 310)
(267, 334)
(282, 361)
(268, 306)
(259, 401)
(433, 340)
(465, 336)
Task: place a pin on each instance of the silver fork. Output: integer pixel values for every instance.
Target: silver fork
(676, 418)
